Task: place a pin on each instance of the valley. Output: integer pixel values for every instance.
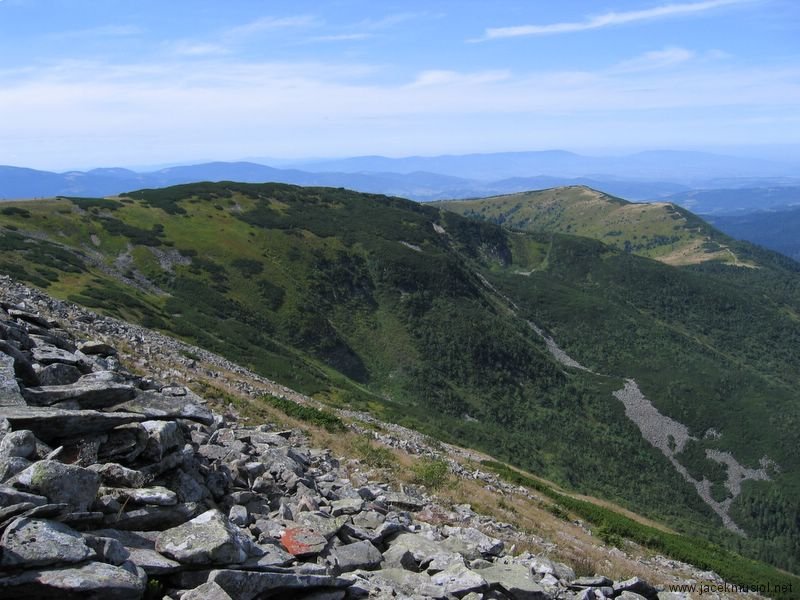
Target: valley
(421, 317)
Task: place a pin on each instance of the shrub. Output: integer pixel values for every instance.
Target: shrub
(430, 473)
(315, 416)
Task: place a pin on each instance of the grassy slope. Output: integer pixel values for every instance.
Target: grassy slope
(658, 230)
(357, 299)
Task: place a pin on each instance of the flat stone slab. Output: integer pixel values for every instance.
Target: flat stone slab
(87, 394)
(158, 406)
(208, 539)
(91, 580)
(141, 547)
(516, 580)
(246, 585)
(303, 541)
(34, 543)
(56, 423)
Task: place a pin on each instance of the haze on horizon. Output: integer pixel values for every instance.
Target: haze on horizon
(130, 83)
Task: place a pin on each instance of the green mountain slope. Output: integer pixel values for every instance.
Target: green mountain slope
(659, 230)
(427, 318)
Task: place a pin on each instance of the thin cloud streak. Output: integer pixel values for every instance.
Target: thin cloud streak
(610, 19)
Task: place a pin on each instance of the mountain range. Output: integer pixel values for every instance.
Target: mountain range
(667, 386)
(643, 176)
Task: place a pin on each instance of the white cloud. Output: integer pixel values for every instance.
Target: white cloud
(656, 59)
(608, 19)
(147, 112)
(342, 37)
(271, 24)
(190, 48)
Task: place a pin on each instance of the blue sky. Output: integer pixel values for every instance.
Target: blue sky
(86, 83)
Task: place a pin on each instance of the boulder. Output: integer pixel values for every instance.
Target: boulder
(246, 585)
(96, 347)
(163, 436)
(49, 424)
(637, 586)
(21, 443)
(90, 581)
(30, 543)
(207, 591)
(207, 539)
(361, 555)
(140, 546)
(303, 541)
(113, 474)
(153, 496)
(9, 388)
(47, 355)
(515, 579)
(86, 393)
(457, 579)
(68, 484)
(158, 406)
(58, 374)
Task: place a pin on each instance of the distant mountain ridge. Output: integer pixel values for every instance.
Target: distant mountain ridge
(637, 177)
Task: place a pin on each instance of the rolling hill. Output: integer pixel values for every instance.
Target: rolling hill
(562, 354)
(658, 230)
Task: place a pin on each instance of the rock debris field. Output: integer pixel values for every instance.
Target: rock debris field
(116, 486)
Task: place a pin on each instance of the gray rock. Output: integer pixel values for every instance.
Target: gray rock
(14, 510)
(93, 347)
(516, 580)
(108, 549)
(157, 406)
(22, 366)
(303, 541)
(154, 496)
(207, 591)
(637, 586)
(386, 581)
(34, 543)
(47, 355)
(593, 581)
(86, 393)
(50, 424)
(29, 317)
(163, 436)
(402, 501)
(443, 561)
(58, 374)
(473, 538)
(12, 466)
(207, 539)
(21, 443)
(238, 515)
(361, 555)
(9, 388)
(140, 546)
(346, 506)
(458, 579)
(152, 518)
(69, 484)
(91, 581)
(246, 585)
(113, 474)
(398, 557)
(124, 443)
(421, 548)
(628, 595)
(322, 524)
